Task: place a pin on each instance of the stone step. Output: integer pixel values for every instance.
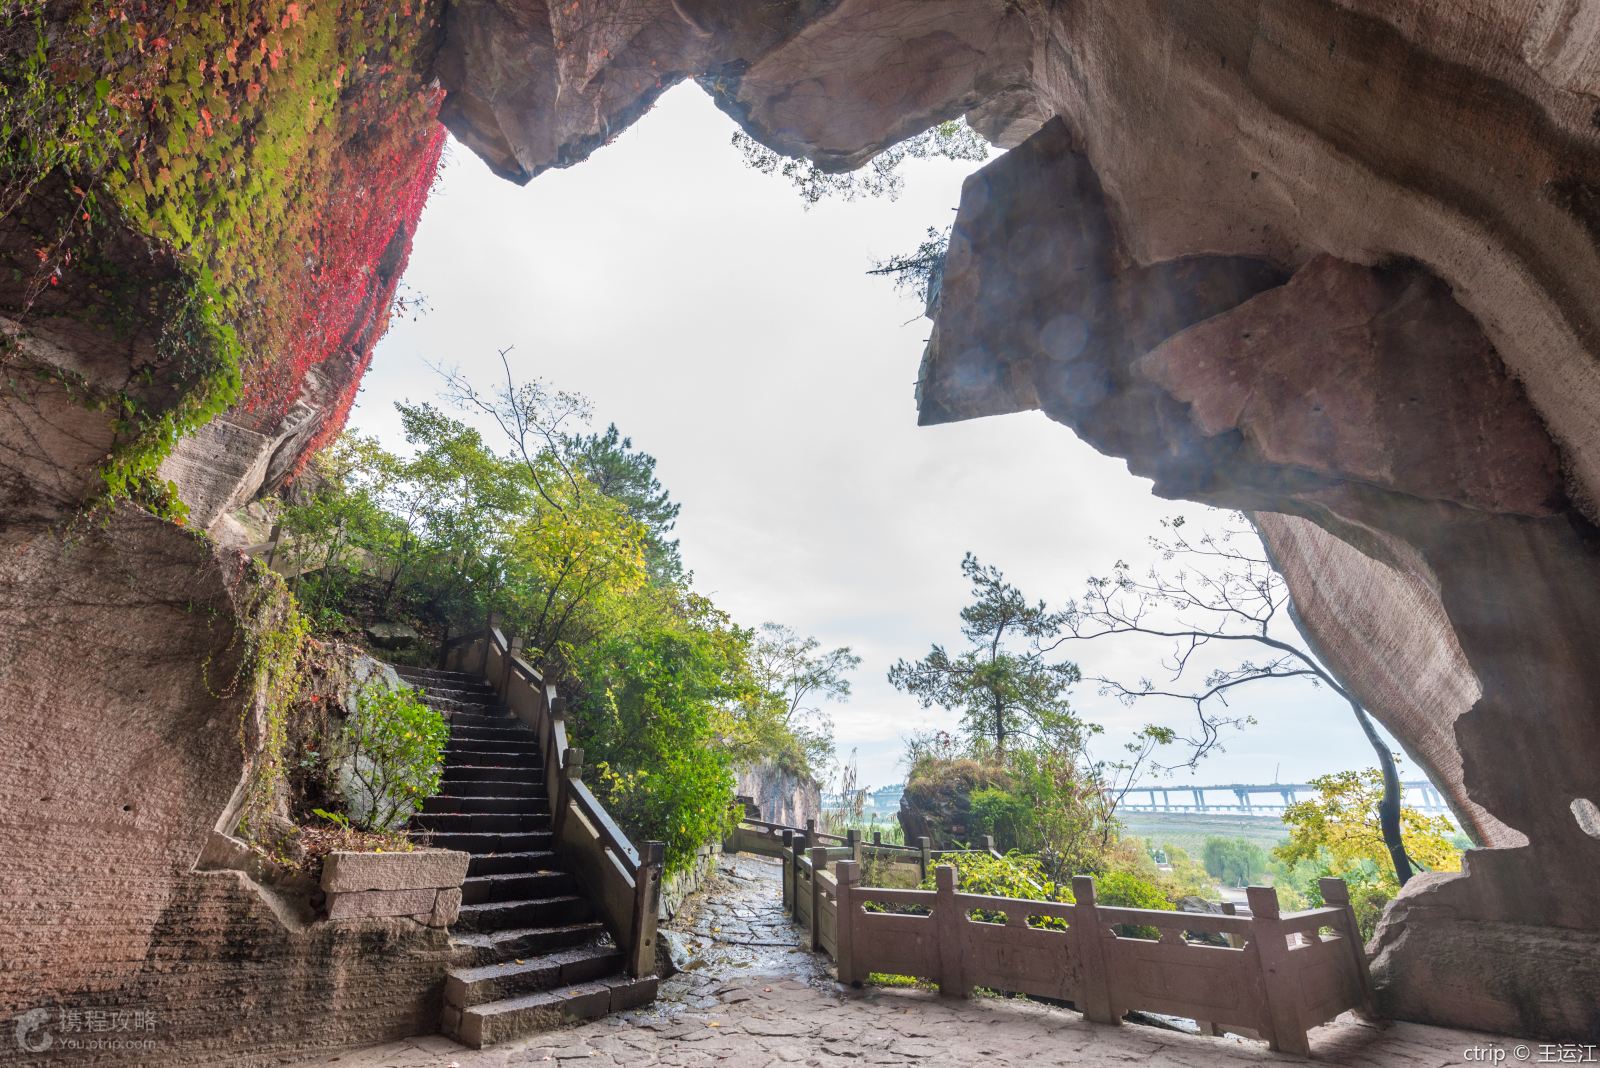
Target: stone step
(449, 822)
(467, 987)
(500, 758)
(477, 842)
(492, 722)
(532, 912)
(513, 886)
(453, 708)
(530, 788)
(491, 732)
(491, 947)
(476, 772)
(535, 805)
(506, 742)
(510, 863)
(502, 1021)
(437, 676)
(485, 696)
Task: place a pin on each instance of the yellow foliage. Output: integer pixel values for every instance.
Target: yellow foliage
(1341, 826)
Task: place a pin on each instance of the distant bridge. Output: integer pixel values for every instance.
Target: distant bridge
(1266, 799)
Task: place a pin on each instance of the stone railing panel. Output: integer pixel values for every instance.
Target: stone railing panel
(1280, 975)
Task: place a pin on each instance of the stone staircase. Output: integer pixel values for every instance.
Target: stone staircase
(540, 956)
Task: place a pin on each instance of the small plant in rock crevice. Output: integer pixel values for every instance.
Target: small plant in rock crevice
(394, 746)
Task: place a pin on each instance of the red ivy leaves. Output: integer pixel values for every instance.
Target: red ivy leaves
(344, 298)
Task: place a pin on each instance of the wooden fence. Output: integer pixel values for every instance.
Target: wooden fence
(1280, 975)
(623, 881)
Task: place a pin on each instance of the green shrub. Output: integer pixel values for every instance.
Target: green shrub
(1014, 875)
(1126, 890)
(652, 722)
(395, 749)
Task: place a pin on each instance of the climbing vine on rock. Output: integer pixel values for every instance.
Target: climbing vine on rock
(282, 149)
(275, 635)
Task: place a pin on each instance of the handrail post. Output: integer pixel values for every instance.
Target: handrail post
(1278, 979)
(646, 905)
(1089, 939)
(819, 864)
(852, 838)
(488, 640)
(925, 844)
(788, 885)
(848, 874)
(1336, 894)
(505, 676)
(950, 924)
(798, 849)
(561, 799)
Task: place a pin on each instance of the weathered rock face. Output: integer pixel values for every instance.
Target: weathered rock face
(1329, 261)
(125, 726)
(782, 796)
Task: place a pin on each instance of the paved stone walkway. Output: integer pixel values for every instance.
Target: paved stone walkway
(750, 998)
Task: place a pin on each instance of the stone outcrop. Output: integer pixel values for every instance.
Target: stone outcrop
(1328, 261)
(782, 796)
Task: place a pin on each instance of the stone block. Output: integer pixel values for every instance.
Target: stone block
(446, 906)
(374, 903)
(428, 869)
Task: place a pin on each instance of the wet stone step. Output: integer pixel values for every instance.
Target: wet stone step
(527, 772)
(466, 987)
(491, 947)
(533, 912)
(483, 864)
(531, 804)
(520, 886)
(481, 821)
(469, 842)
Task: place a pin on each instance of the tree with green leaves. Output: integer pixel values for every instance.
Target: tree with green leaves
(1002, 685)
(1234, 861)
(918, 272)
(798, 674)
(628, 475)
(1339, 833)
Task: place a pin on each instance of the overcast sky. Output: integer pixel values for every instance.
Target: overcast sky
(733, 335)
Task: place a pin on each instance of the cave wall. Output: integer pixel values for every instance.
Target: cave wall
(1332, 262)
(124, 726)
(129, 719)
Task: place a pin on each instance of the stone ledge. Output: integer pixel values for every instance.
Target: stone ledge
(423, 869)
(430, 907)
